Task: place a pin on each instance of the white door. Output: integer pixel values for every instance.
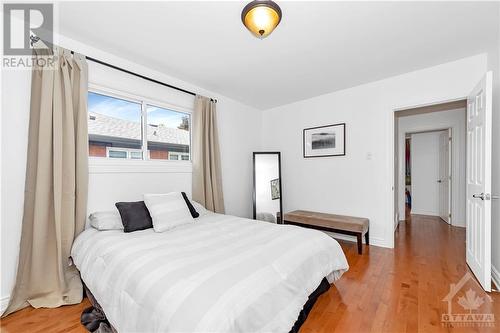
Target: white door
(478, 209)
(425, 173)
(444, 175)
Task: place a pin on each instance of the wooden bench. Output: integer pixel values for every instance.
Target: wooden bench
(348, 225)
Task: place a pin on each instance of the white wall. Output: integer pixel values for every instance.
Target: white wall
(454, 119)
(14, 132)
(360, 183)
(239, 135)
(424, 173)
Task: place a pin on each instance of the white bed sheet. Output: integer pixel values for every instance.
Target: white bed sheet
(219, 274)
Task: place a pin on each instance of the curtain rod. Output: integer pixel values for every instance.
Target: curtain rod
(143, 77)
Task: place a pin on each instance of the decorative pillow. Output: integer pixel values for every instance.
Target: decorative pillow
(192, 210)
(167, 210)
(107, 220)
(135, 216)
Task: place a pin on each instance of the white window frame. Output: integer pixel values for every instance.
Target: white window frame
(120, 165)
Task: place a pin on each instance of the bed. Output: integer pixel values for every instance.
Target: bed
(219, 274)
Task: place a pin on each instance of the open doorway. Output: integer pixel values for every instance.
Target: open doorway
(428, 188)
(471, 169)
(431, 162)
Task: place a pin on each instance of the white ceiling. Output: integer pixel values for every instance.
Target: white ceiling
(319, 47)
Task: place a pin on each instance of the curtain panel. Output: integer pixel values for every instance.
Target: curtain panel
(56, 184)
(207, 179)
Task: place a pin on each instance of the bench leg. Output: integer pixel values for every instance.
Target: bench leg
(367, 238)
(360, 243)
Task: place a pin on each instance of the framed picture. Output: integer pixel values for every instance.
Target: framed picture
(324, 141)
(275, 189)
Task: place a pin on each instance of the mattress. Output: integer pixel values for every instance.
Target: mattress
(219, 274)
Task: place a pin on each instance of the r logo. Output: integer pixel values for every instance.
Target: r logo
(24, 24)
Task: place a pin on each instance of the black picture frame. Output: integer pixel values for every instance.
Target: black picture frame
(280, 217)
(325, 126)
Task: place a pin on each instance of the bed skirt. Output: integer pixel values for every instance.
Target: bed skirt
(94, 318)
(322, 288)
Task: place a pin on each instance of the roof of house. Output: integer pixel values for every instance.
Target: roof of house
(103, 125)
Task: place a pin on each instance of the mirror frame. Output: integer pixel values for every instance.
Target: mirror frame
(255, 153)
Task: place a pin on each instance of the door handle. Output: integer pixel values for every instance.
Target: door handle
(485, 196)
(439, 181)
(479, 196)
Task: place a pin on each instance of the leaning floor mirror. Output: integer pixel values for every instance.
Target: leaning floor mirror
(267, 200)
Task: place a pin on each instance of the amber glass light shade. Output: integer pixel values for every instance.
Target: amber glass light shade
(261, 17)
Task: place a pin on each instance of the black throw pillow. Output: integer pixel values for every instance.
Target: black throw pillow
(193, 211)
(135, 216)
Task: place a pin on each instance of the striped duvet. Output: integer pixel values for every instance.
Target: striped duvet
(219, 274)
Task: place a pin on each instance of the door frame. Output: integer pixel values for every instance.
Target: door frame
(392, 159)
(449, 172)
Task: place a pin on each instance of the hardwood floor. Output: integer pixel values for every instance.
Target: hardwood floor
(59, 320)
(401, 290)
(385, 290)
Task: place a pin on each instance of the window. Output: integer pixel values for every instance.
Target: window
(168, 133)
(178, 156)
(113, 123)
(117, 153)
(134, 154)
(121, 128)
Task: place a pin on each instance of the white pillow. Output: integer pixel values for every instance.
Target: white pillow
(199, 208)
(167, 210)
(107, 220)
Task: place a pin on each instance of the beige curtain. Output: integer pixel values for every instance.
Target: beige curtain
(56, 184)
(207, 179)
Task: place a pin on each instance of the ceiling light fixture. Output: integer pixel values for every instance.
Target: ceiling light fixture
(261, 17)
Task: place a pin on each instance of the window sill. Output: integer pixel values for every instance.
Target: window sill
(105, 165)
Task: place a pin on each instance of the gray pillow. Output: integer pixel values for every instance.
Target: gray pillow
(135, 216)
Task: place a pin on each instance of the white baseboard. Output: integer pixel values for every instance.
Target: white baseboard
(4, 301)
(423, 212)
(495, 276)
(373, 240)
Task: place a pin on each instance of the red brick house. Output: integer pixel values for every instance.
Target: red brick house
(118, 138)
